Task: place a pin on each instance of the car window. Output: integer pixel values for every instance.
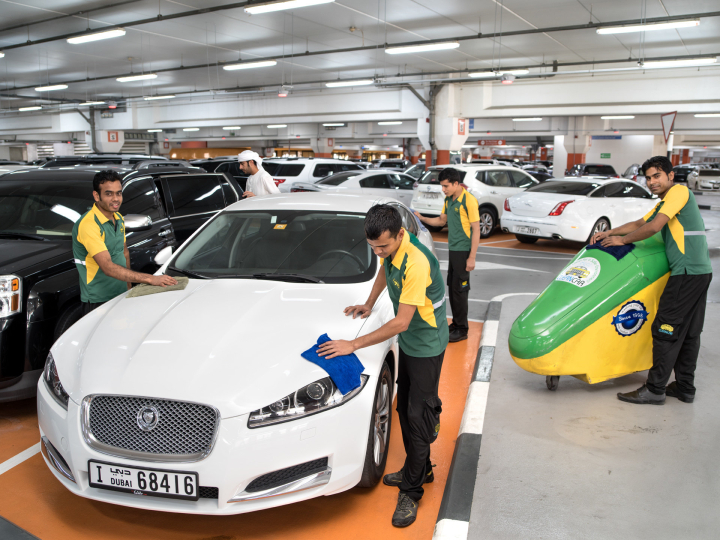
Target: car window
(342, 167)
(377, 181)
(141, 197)
(616, 189)
(195, 194)
(339, 178)
(522, 180)
(408, 220)
(416, 171)
(431, 176)
(401, 181)
(571, 187)
(601, 170)
(323, 169)
(599, 193)
(225, 167)
(497, 179)
(282, 170)
(638, 192)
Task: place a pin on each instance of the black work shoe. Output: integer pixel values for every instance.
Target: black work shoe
(395, 479)
(672, 391)
(458, 335)
(405, 511)
(452, 326)
(642, 396)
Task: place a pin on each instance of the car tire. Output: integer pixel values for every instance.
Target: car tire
(601, 225)
(379, 432)
(526, 239)
(69, 317)
(488, 222)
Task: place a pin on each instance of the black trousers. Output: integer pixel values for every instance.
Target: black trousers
(418, 379)
(87, 307)
(458, 281)
(676, 332)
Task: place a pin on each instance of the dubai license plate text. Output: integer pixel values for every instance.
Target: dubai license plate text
(141, 481)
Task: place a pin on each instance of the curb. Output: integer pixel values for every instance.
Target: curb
(708, 207)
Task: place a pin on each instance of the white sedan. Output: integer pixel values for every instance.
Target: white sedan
(381, 183)
(574, 209)
(198, 400)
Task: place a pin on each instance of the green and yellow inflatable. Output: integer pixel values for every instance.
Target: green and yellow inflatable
(594, 320)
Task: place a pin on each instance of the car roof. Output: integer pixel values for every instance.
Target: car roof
(307, 160)
(312, 201)
(475, 166)
(590, 179)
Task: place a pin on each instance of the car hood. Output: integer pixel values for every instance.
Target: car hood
(19, 256)
(231, 343)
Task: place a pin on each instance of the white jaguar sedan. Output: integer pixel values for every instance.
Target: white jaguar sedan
(574, 209)
(198, 400)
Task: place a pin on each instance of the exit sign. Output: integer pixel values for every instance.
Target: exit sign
(604, 156)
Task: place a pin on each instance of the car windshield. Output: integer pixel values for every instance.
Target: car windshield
(391, 165)
(600, 170)
(431, 176)
(46, 209)
(566, 188)
(337, 179)
(283, 244)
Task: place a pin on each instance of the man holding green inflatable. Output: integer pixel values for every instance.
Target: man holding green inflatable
(681, 313)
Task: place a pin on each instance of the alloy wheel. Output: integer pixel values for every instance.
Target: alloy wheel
(382, 415)
(486, 223)
(600, 226)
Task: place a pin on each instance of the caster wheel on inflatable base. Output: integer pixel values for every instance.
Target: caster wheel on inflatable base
(552, 382)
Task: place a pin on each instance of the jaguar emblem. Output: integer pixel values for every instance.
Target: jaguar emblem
(147, 418)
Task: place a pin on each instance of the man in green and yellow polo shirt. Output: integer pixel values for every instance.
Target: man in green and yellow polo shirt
(412, 276)
(99, 249)
(461, 213)
(681, 313)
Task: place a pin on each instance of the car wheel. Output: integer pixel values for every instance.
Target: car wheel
(487, 222)
(69, 317)
(601, 225)
(526, 239)
(379, 433)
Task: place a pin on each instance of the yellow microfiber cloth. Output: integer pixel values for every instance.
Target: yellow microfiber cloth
(144, 290)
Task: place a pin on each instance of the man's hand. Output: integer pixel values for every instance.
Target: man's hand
(248, 194)
(613, 241)
(470, 264)
(162, 281)
(419, 216)
(340, 347)
(362, 311)
(599, 236)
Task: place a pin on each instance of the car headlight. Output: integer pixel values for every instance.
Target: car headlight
(10, 295)
(52, 380)
(316, 397)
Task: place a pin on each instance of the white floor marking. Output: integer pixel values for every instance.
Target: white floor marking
(471, 299)
(5, 466)
(451, 529)
(502, 297)
(489, 334)
(475, 404)
(495, 266)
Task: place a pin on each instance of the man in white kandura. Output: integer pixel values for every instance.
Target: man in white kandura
(259, 182)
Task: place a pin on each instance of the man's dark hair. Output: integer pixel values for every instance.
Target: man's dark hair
(658, 162)
(381, 218)
(105, 176)
(449, 174)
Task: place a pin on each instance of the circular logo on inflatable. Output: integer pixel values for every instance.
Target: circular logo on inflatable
(630, 318)
(581, 273)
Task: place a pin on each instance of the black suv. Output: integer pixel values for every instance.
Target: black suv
(592, 169)
(39, 287)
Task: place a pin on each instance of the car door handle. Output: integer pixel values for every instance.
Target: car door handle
(165, 232)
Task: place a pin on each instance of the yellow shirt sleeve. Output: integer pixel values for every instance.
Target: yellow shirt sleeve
(89, 235)
(473, 209)
(444, 210)
(415, 282)
(651, 212)
(675, 200)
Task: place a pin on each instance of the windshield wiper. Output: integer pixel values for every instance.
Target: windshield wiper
(188, 273)
(288, 277)
(24, 236)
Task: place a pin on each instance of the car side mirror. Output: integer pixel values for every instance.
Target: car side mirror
(163, 255)
(137, 222)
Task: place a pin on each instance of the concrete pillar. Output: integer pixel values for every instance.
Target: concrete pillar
(576, 147)
(560, 157)
(685, 156)
(322, 146)
(543, 153)
(450, 135)
(414, 150)
(32, 151)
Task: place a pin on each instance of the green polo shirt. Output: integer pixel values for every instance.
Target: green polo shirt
(413, 278)
(93, 233)
(461, 212)
(684, 235)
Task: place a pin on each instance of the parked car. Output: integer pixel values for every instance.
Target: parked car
(210, 165)
(232, 168)
(287, 171)
(9, 167)
(416, 171)
(705, 179)
(489, 184)
(373, 182)
(685, 174)
(179, 412)
(592, 169)
(572, 209)
(634, 173)
(540, 176)
(38, 209)
(397, 164)
(486, 162)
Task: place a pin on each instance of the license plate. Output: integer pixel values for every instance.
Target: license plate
(141, 481)
(527, 230)
(431, 195)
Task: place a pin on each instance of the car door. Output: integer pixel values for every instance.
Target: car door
(615, 203)
(500, 187)
(377, 185)
(193, 199)
(522, 181)
(641, 202)
(402, 187)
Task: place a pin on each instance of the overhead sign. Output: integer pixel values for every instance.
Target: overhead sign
(462, 124)
(491, 142)
(112, 136)
(606, 137)
(668, 121)
(604, 156)
(472, 123)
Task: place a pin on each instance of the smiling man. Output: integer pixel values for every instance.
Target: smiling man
(681, 313)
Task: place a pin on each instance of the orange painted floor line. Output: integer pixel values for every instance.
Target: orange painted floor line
(508, 240)
(33, 499)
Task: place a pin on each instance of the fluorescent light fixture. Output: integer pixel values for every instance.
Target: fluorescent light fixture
(34, 108)
(526, 119)
(191, 129)
(708, 115)
(279, 6)
(2, 54)
(648, 27)
(250, 65)
(150, 98)
(690, 62)
(154, 130)
(132, 78)
(51, 87)
(277, 126)
(482, 74)
(409, 49)
(88, 103)
(334, 125)
(617, 117)
(389, 123)
(230, 128)
(356, 82)
(107, 34)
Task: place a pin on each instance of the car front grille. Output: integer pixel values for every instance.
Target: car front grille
(185, 431)
(285, 476)
(208, 492)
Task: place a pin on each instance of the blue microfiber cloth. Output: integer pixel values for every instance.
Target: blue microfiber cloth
(616, 251)
(343, 370)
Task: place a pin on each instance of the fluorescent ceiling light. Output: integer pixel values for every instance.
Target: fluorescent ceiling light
(191, 129)
(34, 108)
(88, 103)
(334, 125)
(357, 82)
(229, 128)
(277, 126)
(708, 115)
(648, 27)
(250, 65)
(680, 63)
(480, 74)
(279, 6)
(409, 49)
(149, 98)
(51, 87)
(2, 55)
(526, 119)
(107, 34)
(617, 117)
(137, 77)
(389, 123)
(154, 130)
